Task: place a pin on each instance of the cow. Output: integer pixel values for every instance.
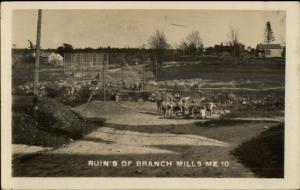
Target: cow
(167, 108)
(210, 107)
(202, 112)
(182, 105)
(159, 105)
(198, 110)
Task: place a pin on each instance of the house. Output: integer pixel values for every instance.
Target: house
(269, 50)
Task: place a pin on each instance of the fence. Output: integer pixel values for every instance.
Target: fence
(77, 62)
(84, 65)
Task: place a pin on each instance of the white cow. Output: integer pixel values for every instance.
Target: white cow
(203, 113)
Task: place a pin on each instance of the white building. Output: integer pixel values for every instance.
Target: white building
(55, 59)
(269, 50)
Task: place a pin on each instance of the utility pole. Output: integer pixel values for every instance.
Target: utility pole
(37, 62)
(103, 74)
(144, 69)
(103, 78)
(107, 61)
(156, 68)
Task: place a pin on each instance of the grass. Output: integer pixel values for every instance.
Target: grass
(266, 73)
(264, 154)
(23, 73)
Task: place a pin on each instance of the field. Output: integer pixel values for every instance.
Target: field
(250, 110)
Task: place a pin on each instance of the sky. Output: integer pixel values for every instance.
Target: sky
(132, 28)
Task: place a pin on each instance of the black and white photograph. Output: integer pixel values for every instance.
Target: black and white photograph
(148, 93)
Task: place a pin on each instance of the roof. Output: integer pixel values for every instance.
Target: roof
(268, 46)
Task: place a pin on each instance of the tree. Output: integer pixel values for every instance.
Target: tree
(269, 35)
(65, 48)
(158, 43)
(234, 40)
(194, 43)
(183, 46)
(31, 45)
(32, 51)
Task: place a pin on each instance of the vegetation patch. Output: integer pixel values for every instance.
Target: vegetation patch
(53, 125)
(264, 154)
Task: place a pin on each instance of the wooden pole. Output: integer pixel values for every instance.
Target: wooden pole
(103, 78)
(37, 62)
(156, 69)
(107, 61)
(144, 69)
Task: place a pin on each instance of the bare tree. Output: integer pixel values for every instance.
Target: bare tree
(233, 35)
(158, 43)
(193, 44)
(158, 40)
(183, 46)
(194, 41)
(234, 40)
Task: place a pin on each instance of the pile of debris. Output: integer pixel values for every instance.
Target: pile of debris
(53, 89)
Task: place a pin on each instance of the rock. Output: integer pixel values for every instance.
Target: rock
(152, 83)
(226, 111)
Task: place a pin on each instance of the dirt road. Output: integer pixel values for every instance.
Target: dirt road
(140, 138)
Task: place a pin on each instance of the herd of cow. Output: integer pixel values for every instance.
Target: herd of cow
(183, 106)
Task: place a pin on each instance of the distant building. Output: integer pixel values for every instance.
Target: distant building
(269, 50)
(51, 58)
(55, 59)
(222, 49)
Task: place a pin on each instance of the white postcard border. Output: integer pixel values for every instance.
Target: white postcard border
(292, 130)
